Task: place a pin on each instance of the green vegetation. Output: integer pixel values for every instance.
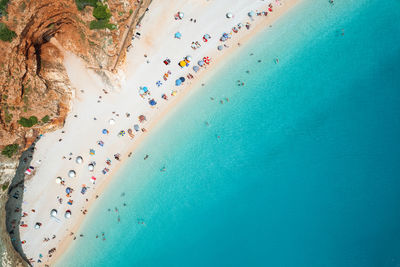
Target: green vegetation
(6, 34)
(45, 119)
(22, 7)
(130, 11)
(28, 122)
(101, 24)
(81, 4)
(101, 12)
(3, 7)
(5, 186)
(10, 150)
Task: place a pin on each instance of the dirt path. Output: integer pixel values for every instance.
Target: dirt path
(143, 4)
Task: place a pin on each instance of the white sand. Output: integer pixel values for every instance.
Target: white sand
(82, 133)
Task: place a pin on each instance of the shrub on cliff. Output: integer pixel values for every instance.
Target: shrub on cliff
(81, 4)
(10, 150)
(45, 119)
(3, 7)
(28, 122)
(6, 34)
(101, 12)
(101, 24)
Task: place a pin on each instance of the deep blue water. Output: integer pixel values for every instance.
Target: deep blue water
(300, 168)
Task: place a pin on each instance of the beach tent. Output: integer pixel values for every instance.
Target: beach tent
(111, 121)
(79, 159)
(178, 82)
(92, 152)
(67, 214)
(188, 58)
(220, 47)
(71, 174)
(182, 79)
(181, 15)
(201, 63)
(229, 15)
(152, 102)
(91, 167)
(93, 179)
(58, 180)
(196, 68)
(178, 35)
(136, 127)
(105, 131)
(53, 212)
(251, 14)
(37, 225)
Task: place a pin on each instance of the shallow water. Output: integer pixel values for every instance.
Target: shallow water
(299, 168)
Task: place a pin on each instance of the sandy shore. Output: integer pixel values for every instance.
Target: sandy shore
(93, 109)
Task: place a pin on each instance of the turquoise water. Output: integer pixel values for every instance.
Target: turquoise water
(300, 168)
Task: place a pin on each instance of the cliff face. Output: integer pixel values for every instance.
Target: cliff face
(32, 77)
(33, 80)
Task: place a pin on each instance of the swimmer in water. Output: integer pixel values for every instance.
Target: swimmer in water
(162, 169)
(146, 157)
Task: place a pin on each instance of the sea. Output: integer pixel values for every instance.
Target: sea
(294, 162)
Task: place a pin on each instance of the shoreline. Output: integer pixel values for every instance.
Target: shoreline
(160, 114)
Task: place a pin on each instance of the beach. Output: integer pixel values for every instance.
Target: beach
(100, 128)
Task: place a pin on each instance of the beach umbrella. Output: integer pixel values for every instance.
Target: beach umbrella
(152, 102)
(181, 15)
(145, 89)
(58, 180)
(71, 174)
(229, 15)
(188, 58)
(111, 121)
(201, 63)
(196, 68)
(105, 131)
(142, 118)
(251, 13)
(182, 63)
(174, 93)
(37, 225)
(67, 214)
(53, 212)
(220, 47)
(91, 167)
(79, 159)
(178, 82)
(182, 79)
(136, 127)
(93, 179)
(178, 35)
(68, 190)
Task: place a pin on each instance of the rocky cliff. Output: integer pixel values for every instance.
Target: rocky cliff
(35, 92)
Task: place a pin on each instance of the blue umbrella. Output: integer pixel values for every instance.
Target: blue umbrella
(196, 68)
(178, 82)
(145, 89)
(152, 102)
(178, 35)
(105, 131)
(68, 190)
(182, 79)
(201, 63)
